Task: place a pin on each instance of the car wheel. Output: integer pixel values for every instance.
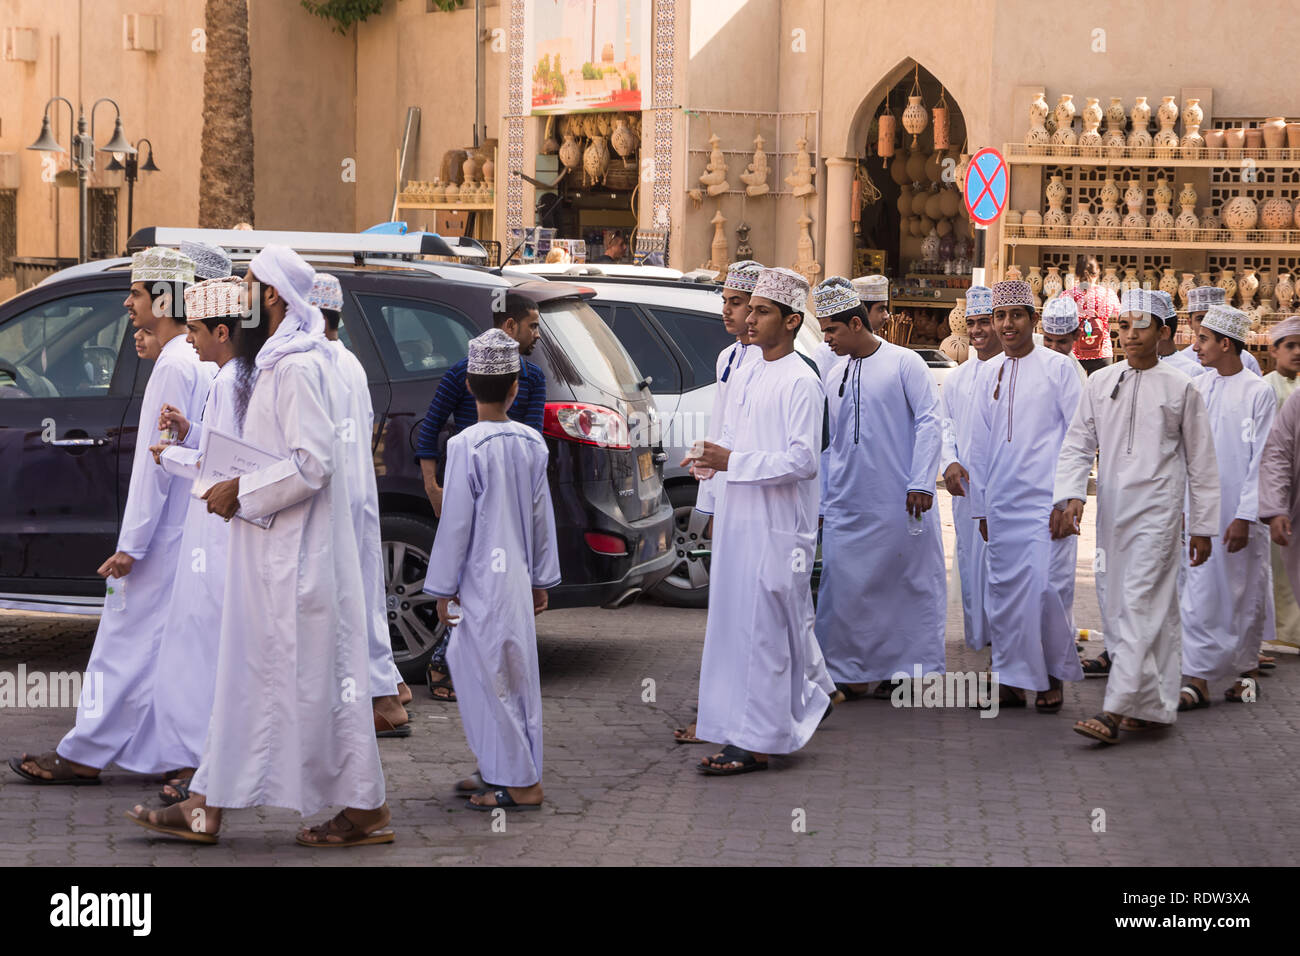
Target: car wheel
(687, 585)
(413, 625)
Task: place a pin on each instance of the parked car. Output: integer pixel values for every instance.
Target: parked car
(672, 328)
(68, 428)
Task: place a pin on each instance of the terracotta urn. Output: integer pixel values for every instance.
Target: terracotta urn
(1065, 111)
(915, 118)
(1204, 279)
(1168, 282)
(1193, 142)
(1186, 224)
(1013, 273)
(1071, 280)
(1254, 138)
(905, 200)
(916, 167)
(1167, 111)
(1131, 280)
(1293, 135)
(1162, 194)
(950, 203)
(1213, 142)
(1234, 137)
(1115, 115)
(1162, 222)
(887, 130)
(1275, 213)
(1227, 283)
(1011, 217)
(1109, 194)
(1064, 136)
(897, 169)
(934, 206)
(1081, 223)
(1052, 284)
(1193, 115)
(1267, 283)
(1139, 140)
(1274, 130)
(1135, 224)
(1210, 226)
(1033, 223)
(1284, 292)
(1054, 222)
(1035, 280)
(1141, 113)
(939, 116)
(1055, 191)
(1297, 215)
(1246, 287)
(930, 246)
(1134, 197)
(1090, 138)
(621, 139)
(1240, 214)
(919, 198)
(1186, 286)
(1187, 195)
(1111, 281)
(1037, 134)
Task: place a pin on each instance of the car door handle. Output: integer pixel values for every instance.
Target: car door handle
(79, 442)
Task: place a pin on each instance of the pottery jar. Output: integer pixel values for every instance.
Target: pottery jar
(1081, 222)
(1234, 137)
(1134, 197)
(897, 169)
(1141, 114)
(1139, 138)
(1162, 194)
(1168, 282)
(1293, 135)
(1297, 214)
(1162, 222)
(1035, 280)
(1210, 225)
(1186, 286)
(1284, 292)
(1213, 141)
(1267, 283)
(1054, 222)
(934, 167)
(1193, 115)
(1110, 280)
(1065, 111)
(934, 206)
(1246, 287)
(1227, 283)
(915, 117)
(916, 166)
(1033, 223)
(1115, 115)
(1240, 214)
(1167, 111)
(919, 199)
(940, 115)
(1052, 284)
(1186, 224)
(1055, 191)
(1275, 213)
(1274, 132)
(1193, 142)
(1254, 138)
(905, 200)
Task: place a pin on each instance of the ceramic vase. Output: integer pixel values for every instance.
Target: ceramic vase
(1108, 217)
(1186, 224)
(1274, 129)
(1297, 215)
(1210, 225)
(1135, 220)
(1213, 143)
(1227, 283)
(939, 115)
(1162, 222)
(1033, 223)
(1193, 115)
(1246, 287)
(1254, 137)
(1193, 143)
(1284, 292)
(1186, 286)
(915, 118)
(1090, 138)
(1141, 113)
(1139, 141)
(1037, 135)
(1234, 138)
(1081, 223)
(1131, 280)
(930, 246)
(570, 152)
(1168, 283)
(1052, 284)
(1166, 139)
(1240, 214)
(1110, 280)
(1116, 120)
(1035, 280)
(1267, 283)
(1275, 213)
(1065, 111)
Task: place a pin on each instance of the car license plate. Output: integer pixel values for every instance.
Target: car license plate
(647, 465)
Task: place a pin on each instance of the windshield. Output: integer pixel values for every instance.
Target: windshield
(591, 347)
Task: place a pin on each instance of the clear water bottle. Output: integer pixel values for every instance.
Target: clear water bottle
(453, 612)
(915, 525)
(115, 595)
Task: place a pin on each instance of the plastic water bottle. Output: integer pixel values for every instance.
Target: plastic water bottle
(453, 612)
(115, 595)
(915, 525)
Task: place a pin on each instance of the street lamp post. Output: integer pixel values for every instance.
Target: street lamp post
(83, 153)
(133, 168)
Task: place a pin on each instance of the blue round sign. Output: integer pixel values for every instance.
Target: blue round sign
(987, 185)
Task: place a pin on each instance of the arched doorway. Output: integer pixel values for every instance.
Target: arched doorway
(912, 196)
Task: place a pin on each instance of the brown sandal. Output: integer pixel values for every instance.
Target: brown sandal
(1108, 722)
(351, 835)
(171, 822)
(60, 769)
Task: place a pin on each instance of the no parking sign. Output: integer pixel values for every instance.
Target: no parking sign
(987, 186)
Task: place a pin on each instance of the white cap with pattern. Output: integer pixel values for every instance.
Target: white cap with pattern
(783, 285)
(1060, 316)
(834, 295)
(210, 262)
(216, 298)
(741, 276)
(1228, 321)
(979, 301)
(872, 288)
(160, 264)
(326, 293)
(1203, 296)
(493, 353)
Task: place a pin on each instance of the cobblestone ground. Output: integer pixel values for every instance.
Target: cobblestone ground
(876, 785)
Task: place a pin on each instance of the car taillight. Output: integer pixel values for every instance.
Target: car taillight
(610, 544)
(587, 424)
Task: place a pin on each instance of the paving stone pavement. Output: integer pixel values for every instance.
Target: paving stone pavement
(876, 785)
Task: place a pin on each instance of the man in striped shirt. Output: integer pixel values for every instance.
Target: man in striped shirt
(518, 318)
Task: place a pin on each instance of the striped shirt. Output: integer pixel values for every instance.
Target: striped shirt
(453, 400)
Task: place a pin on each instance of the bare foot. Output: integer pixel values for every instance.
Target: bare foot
(391, 710)
(404, 694)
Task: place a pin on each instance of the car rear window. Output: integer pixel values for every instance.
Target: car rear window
(700, 336)
(649, 352)
(427, 337)
(591, 347)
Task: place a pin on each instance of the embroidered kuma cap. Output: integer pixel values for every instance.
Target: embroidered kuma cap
(209, 261)
(1287, 327)
(1166, 301)
(834, 295)
(1060, 316)
(783, 285)
(1203, 296)
(742, 275)
(493, 353)
(979, 301)
(1142, 306)
(216, 298)
(326, 293)
(1228, 321)
(1013, 292)
(872, 288)
(160, 264)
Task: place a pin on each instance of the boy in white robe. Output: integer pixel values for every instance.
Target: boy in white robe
(1061, 329)
(1285, 350)
(756, 693)
(1199, 301)
(1151, 427)
(387, 691)
(1227, 603)
(883, 599)
(494, 554)
(1025, 399)
(112, 725)
(956, 405)
(187, 659)
(291, 723)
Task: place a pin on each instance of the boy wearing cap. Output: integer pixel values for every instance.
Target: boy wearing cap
(882, 602)
(111, 715)
(1285, 350)
(1153, 432)
(1061, 329)
(494, 554)
(1227, 603)
(386, 687)
(756, 693)
(1199, 301)
(1025, 399)
(956, 407)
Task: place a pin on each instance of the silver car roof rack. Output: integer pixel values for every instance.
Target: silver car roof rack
(359, 245)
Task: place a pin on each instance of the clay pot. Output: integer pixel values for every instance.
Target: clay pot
(1033, 223)
(1064, 135)
(930, 245)
(934, 167)
(1284, 292)
(1234, 138)
(934, 206)
(1193, 115)
(1186, 224)
(1246, 287)
(914, 225)
(939, 115)
(1111, 281)
(1297, 215)
(1254, 138)
(1081, 223)
(1035, 280)
(1139, 139)
(919, 199)
(916, 166)
(905, 200)
(1193, 142)
(1055, 191)
(1213, 141)
(1054, 222)
(1167, 111)
(1108, 222)
(621, 139)
(1293, 135)
(885, 142)
(1065, 111)
(1227, 283)
(1134, 197)
(1162, 194)
(949, 203)
(944, 228)
(1162, 222)
(1135, 223)
(1274, 132)
(1267, 283)
(1038, 135)
(1186, 286)
(1115, 112)
(1240, 214)
(1210, 225)
(1275, 213)
(1141, 114)
(1052, 284)
(1168, 282)
(570, 152)
(915, 117)
(897, 169)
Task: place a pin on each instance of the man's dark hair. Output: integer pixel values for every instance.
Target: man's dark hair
(177, 292)
(231, 322)
(490, 389)
(846, 316)
(1237, 345)
(515, 307)
(332, 317)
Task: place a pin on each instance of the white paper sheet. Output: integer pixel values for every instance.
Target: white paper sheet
(226, 457)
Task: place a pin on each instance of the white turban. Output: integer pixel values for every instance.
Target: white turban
(303, 327)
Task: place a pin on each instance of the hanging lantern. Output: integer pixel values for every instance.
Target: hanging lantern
(940, 112)
(888, 129)
(915, 118)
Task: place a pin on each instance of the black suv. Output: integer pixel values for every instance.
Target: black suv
(71, 387)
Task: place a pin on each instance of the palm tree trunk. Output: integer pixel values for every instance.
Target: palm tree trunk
(226, 174)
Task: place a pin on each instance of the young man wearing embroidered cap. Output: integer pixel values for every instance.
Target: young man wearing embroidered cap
(957, 408)
(1199, 301)
(187, 659)
(1025, 399)
(1227, 603)
(112, 725)
(756, 693)
(291, 726)
(1284, 347)
(495, 555)
(1061, 329)
(882, 601)
(1157, 451)
(386, 688)
(874, 293)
